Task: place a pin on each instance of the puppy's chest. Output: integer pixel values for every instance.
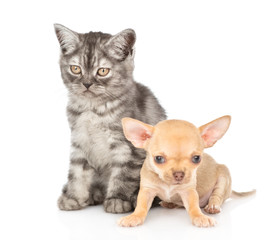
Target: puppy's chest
(169, 194)
(172, 194)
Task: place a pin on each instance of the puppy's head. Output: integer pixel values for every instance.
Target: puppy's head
(174, 147)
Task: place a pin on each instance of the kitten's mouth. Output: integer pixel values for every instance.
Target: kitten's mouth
(83, 92)
(88, 92)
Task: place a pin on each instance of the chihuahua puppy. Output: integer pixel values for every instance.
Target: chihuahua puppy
(177, 171)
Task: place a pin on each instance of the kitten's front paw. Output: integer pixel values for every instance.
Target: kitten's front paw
(131, 221)
(68, 204)
(204, 221)
(116, 205)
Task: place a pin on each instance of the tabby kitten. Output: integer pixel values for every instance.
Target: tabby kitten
(97, 69)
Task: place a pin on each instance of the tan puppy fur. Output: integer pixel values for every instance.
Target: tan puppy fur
(172, 172)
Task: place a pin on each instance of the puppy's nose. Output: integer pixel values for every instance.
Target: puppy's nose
(87, 85)
(178, 176)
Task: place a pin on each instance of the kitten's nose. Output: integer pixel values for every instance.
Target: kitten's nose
(87, 85)
(179, 176)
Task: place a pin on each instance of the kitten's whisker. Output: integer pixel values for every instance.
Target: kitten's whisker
(112, 95)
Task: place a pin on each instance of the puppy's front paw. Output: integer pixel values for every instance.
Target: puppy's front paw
(204, 221)
(131, 221)
(212, 209)
(116, 205)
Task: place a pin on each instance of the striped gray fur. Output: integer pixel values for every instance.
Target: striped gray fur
(104, 166)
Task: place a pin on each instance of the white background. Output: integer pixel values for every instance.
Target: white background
(202, 59)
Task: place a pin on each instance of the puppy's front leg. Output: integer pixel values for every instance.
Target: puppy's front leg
(191, 202)
(144, 201)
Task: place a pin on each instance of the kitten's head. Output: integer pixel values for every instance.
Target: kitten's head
(95, 64)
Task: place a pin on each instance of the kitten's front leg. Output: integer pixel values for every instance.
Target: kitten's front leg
(75, 194)
(123, 187)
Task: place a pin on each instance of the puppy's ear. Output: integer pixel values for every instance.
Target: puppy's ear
(136, 132)
(213, 131)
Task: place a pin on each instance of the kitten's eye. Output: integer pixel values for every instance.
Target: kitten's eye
(159, 159)
(75, 69)
(103, 72)
(196, 159)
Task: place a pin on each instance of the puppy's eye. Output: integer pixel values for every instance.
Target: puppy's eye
(196, 159)
(159, 159)
(102, 72)
(75, 69)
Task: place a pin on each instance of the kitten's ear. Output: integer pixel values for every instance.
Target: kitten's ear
(213, 131)
(121, 45)
(67, 38)
(136, 132)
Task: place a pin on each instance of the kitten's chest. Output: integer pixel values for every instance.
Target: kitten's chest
(94, 135)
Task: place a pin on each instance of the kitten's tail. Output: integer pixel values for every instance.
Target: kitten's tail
(242, 194)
